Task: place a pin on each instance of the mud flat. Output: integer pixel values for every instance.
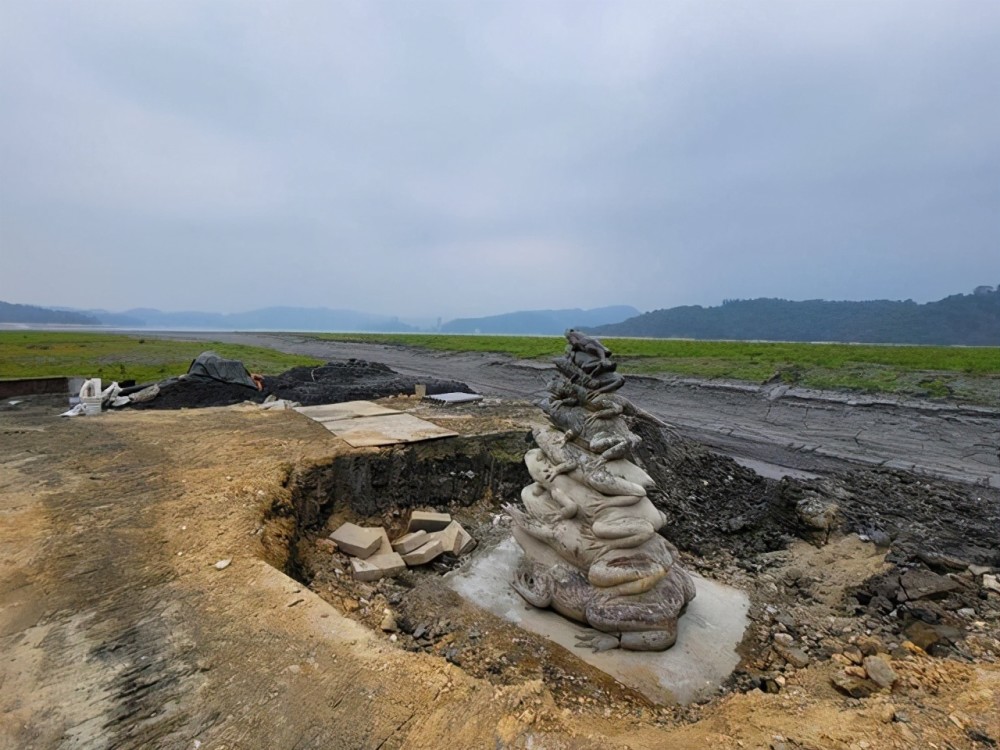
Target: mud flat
(797, 428)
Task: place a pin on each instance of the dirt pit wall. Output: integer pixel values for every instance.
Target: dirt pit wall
(439, 474)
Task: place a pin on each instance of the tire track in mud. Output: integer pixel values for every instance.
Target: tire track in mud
(814, 431)
(111, 658)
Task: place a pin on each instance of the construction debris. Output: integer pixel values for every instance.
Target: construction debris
(428, 521)
(373, 556)
(425, 553)
(358, 541)
(377, 566)
(409, 542)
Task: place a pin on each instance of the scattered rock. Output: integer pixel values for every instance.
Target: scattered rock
(817, 512)
(923, 584)
(855, 687)
(869, 645)
(454, 539)
(880, 672)
(854, 654)
(991, 583)
(794, 656)
(223, 564)
(326, 545)
(942, 561)
(770, 685)
(921, 634)
(388, 624)
(463, 541)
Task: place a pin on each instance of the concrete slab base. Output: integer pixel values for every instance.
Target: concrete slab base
(703, 657)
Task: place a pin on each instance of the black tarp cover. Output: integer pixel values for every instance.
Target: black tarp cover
(210, 366)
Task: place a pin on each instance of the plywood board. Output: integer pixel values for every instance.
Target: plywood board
(345, 410)
(362, 432)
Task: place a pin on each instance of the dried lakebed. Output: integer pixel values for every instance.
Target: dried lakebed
(813, 431)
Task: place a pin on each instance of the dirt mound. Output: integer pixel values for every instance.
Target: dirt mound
(914, 516)
(334, 382)
(353, 380)
(715, 504)
(712, 503)
(909, 580)
(198, 393)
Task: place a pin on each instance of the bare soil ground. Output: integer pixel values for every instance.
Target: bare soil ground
(118, 630)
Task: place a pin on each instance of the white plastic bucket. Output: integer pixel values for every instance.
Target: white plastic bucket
(91, 388)
(91, 404)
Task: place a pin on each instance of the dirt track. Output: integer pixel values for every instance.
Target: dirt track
(788, 427)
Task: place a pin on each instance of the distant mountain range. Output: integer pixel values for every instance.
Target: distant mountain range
(313, 319)
(967, 319)
(31, 315)
(540, 322)
(268, 318)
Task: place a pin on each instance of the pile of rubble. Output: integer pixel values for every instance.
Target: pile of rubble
(428, 536)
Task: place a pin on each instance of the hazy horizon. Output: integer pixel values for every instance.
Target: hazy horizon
(429, 319)
(453, 159)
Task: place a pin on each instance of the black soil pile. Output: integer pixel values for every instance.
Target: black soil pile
(939, 537)
(331, 383)
(712, 503)
(916, 517)
(195, 393)
(353, 380)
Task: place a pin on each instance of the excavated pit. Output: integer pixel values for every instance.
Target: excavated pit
(443, 474)
(432, 610)
(376, 486)
(820, 587)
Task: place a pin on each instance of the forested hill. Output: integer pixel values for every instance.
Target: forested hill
(11, 313)
(969, 319)
(540, 322)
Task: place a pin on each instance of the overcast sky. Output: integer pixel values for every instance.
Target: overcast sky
(474, 157)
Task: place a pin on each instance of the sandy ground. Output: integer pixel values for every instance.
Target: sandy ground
(118, 631)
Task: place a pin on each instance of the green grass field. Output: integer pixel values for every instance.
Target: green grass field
(961, 373)
(115, 357)
(965, 373)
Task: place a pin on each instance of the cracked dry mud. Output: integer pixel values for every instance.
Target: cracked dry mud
(117, 629)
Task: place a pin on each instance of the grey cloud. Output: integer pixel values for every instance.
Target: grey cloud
(461, 158)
